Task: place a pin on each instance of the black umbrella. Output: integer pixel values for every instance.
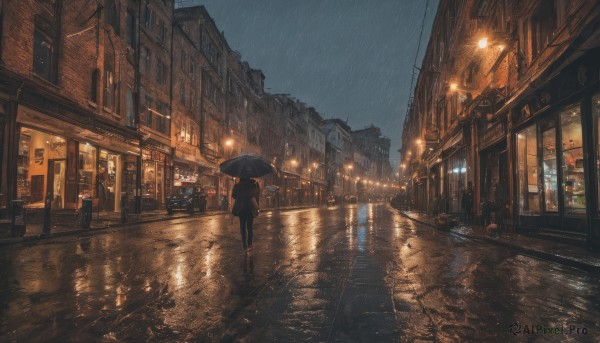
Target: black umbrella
(246, 166)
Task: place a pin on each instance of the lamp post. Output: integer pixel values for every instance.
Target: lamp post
(294, 164)
(224, 202)
(315, 165)
(346, 167)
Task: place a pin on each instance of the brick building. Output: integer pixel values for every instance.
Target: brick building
(65, 104)
(155, 78)
(212, 71)
(189, 165)
(100, 99)
(506, 100)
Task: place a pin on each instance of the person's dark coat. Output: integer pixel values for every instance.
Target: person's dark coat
(243, 192)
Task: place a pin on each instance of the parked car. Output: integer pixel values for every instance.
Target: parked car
(187, 198)
(352, 199)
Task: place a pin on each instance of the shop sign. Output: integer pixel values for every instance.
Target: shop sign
(153, 155)
(493, 133)
(158, 156)
(454, 142)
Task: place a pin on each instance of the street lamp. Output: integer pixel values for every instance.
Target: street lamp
(483, 43)
(229, 145)
(229, 181)
(348, 167)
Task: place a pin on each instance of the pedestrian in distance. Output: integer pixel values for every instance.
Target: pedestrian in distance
(246, 194)
(467, 203)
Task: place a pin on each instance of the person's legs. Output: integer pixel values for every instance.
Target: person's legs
(243, 222)
(249, 226)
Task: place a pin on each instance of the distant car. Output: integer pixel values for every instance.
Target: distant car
(331, 200)
(186, 198)
(352, 199)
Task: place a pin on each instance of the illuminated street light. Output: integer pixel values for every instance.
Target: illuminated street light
(229, 142)
(453, 87)
(483, 43)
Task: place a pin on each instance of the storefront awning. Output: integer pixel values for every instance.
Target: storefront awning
(285, 172)
(190, 159)
(453, 142)
(38, 120)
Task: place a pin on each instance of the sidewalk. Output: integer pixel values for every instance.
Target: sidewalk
(103, 221)
(566, 254)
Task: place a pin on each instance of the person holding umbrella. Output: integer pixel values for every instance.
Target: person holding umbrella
(246, 192)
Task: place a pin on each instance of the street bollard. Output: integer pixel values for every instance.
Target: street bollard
(17, 227)
(86, 213)
(123, 207)
(47, 212)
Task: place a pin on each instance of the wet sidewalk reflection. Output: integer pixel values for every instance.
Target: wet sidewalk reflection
(360, 272)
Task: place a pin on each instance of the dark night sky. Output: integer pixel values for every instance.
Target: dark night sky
(346, 58)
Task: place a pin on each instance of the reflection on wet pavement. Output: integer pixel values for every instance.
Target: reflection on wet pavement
(359, 273)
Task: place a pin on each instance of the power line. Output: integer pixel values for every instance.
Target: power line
(415, 68)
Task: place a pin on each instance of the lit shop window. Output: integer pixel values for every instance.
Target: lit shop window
(41, 168)
(572, 158)
(87, 171)
(549, 167)
(527, 182)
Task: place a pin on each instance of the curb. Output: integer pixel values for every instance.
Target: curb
(92, 231)
(523, 250)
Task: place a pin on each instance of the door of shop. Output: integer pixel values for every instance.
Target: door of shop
(56, 182)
